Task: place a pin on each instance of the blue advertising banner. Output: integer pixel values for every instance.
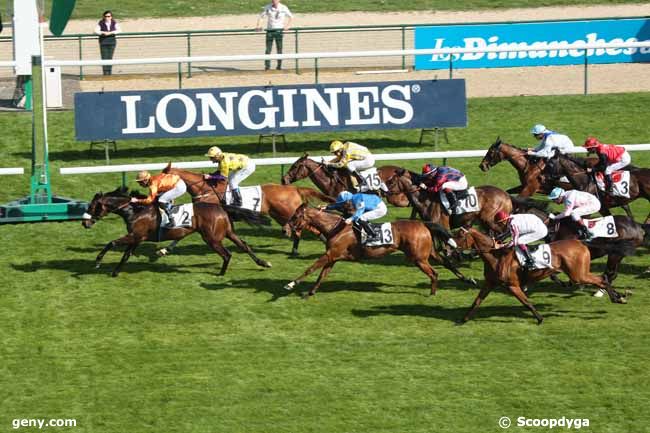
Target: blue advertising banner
(278, 109)
(550, 37)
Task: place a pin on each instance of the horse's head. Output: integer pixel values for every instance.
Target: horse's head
(102, 204)
(297, 222)
(493, 156)
(399, 182)
(298, 170)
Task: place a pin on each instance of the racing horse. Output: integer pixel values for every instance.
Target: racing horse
(639, 185)
(502, 268)
(490, 199)
(630, 235)
(143, 224)
(332, 181)
(414, 238)
(532, 174)
(278, 201)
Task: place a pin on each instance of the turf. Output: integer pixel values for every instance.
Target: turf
(183, 8)
(169, 346)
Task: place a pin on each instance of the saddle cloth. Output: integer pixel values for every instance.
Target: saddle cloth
(371, 180)
(541, 255)
(181, 215)
(603, 227)
(467, 201)
(251, 197)
(620, 181)
(383, 235)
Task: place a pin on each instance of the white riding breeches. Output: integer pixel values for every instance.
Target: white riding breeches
(377, 212)
(526, 238)
(455, 185)
(236, 177)
(588, 209)
(361, 164)
(625, 161)
(173, 193)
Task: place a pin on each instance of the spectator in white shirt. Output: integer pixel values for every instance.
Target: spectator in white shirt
(279, 19)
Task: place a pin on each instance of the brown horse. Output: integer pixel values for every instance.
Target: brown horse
(416, 239)
(490, 198)
(332, 181)
(501, 267)
(278, 201)
(639, 186)
(143, 224)
(531, 171)
(630, 236)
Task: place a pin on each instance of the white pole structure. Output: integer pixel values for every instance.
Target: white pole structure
(12, 170)
(578, 47)
(96, 169)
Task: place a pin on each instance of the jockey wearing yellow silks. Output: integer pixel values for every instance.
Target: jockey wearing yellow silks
(352, 156)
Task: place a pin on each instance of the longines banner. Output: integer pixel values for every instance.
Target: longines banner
(279, 109)
(551, 38)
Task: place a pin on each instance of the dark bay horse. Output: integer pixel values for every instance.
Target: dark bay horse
(415, 238)
(491, 200)
(639, 186)
(532, 176)
(332, 181)
(502, 268)
(631, 235)
(143, 224)
(278, 201)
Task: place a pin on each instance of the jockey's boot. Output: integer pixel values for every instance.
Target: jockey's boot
(453, 201)
(583, 232)
(365, 225)
(530, 263)
(357, 180)
(167, 207)
(236, 197)
(608, 183)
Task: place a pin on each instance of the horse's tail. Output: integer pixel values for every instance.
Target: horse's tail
(167, 167)
(309, 194)
(525, 203)
(248, 216)
(620, 247)
(440, 233)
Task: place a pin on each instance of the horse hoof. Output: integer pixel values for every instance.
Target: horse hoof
(539, 321)
(97, 265)
(266, 264)
(599, 293)
(162, 252)
(307, 296)
(290, 286)
(460, 322)
(473, 282)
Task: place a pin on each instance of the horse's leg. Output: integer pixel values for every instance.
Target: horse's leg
(448, 264)
(613, 262)
(482, 294)
(414, 214)
(128, 239)
(322, 261)
(599, 281)
(323, 273)
(296, 241)
(164, 251)
(521, 296)
(225, 254)
(431, 273)
(628, 211)
(230, 234)
(127, 253)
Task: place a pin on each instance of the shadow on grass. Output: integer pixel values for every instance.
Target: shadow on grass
(79, 267)
(454, 314)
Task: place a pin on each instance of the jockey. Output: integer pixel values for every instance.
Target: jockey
(448, 179)
(352, 156)
(169, 186)
(577, 204)
(233, 166)
(548, 142)
(611, 157)
(524, 228)
(367, 207)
